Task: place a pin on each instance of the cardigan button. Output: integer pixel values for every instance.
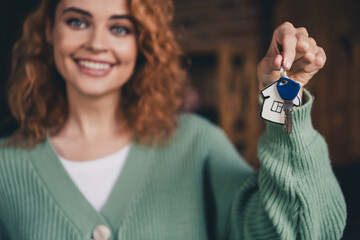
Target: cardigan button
(101, 232)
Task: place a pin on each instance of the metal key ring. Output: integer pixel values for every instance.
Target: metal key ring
(282, 70)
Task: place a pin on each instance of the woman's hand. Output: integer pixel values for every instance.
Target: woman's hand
(301, 56)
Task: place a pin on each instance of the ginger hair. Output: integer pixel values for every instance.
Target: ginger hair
(151, 99)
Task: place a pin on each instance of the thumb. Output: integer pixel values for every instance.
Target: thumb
(277, 62)
(271, 63)
(268, 70)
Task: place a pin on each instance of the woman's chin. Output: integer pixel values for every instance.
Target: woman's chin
(93, 92)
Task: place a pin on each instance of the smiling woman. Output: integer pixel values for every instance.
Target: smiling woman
(104, 152)
(101, 50)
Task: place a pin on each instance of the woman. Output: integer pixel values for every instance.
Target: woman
(102, 151)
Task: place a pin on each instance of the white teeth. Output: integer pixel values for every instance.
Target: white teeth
(94, 65)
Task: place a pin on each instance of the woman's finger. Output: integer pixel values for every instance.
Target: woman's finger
(307, 66)
(318, 62)
(306, 51)
(285, 36)
(303, 45)
(320, 58)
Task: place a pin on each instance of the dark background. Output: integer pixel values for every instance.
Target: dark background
(224, 40)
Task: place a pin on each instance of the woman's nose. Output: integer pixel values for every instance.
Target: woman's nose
(98, 40)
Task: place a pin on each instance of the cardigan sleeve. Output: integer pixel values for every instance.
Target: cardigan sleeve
(294, 195)
(3, 232)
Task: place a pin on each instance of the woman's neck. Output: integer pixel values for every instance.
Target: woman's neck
(93, 117)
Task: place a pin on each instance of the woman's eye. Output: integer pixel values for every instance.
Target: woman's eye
(120, 30)
(76, 23)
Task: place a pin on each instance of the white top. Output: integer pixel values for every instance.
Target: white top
(96, 178)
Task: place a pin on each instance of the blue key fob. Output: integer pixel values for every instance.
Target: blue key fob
(287, 88)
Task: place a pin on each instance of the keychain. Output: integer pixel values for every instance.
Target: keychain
(279, 100)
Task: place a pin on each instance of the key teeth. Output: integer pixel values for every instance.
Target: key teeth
(287, 129)
(288, 121)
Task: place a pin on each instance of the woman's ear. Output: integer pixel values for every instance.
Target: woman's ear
(48, 32)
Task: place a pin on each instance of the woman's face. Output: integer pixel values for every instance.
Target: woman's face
(94, 45)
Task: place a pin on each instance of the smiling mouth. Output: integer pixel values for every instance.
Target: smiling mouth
(94, 68)
(93, 65)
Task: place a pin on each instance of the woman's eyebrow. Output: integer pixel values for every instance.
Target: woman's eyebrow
(77, 10)
(126, 16)
(86, 13)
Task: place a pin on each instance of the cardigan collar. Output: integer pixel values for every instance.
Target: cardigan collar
(68, 197)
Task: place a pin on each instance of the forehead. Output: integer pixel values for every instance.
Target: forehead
(107, 7)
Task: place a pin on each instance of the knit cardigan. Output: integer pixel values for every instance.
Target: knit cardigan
(197, 187)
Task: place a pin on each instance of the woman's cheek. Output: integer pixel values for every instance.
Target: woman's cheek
(126, 49)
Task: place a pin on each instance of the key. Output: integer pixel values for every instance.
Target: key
(288, 90)
(288, 109)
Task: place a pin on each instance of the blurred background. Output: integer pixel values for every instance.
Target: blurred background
(223, 41)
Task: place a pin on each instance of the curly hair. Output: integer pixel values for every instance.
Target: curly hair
(151, 99)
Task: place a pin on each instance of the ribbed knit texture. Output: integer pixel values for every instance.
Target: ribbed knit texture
(198, 187)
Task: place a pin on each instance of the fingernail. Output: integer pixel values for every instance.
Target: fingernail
(288, 64)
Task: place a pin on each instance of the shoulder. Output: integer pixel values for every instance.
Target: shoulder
(194, 119)
(199, 131)
(11, 162)
(197, 134)
(10, 154)
(15, 163)
(3, 147)
(197, 125)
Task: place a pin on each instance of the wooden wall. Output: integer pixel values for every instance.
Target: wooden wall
(336, 112)
(236, 34)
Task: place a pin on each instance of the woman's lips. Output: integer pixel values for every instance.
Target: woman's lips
(94, 69)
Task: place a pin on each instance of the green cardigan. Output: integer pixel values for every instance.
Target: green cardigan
(198, 187)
